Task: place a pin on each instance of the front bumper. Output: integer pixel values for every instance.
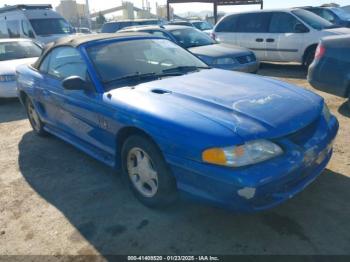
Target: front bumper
(8, 89)
(261, 186)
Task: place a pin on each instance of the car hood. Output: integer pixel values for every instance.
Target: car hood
(219, 50)
(9, 67)
(251, 106)
(338, 31)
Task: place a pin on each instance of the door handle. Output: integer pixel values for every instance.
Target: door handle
(270, 40)
(259, 40)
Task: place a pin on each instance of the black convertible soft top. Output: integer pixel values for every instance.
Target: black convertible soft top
(77, 40)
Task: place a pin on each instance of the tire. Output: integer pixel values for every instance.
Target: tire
(34, 119)
(148, 174)
(309, 58)
(348, 102)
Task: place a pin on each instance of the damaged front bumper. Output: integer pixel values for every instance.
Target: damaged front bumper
(264, 185)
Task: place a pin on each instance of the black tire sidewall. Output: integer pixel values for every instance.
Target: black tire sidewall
(310, 56)
(166, 193)
(40, 131)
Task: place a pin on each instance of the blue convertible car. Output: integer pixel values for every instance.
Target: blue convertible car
(144, 105)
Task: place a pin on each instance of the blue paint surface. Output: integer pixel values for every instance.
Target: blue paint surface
(199, 110)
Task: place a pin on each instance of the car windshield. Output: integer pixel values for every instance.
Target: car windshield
(51, 26)
(202, 25)
(190, 37)
(312, 19)
(118, 61)
(341, 13)
(18, 50)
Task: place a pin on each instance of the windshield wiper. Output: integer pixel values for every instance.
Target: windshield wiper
(185, 69)
(138, 76)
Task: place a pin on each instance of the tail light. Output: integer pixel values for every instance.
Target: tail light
(320, 50)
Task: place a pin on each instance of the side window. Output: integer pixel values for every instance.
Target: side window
(283, 23)
(45, 64)
(228, 24)
(253, 23)
(328, 15)
(3, 30)
(65, 62)
(13, 29)
(27, 31)
(159, 33)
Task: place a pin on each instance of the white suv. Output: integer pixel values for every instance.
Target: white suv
(288, 35)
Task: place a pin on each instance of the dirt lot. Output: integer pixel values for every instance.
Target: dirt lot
(56, 200)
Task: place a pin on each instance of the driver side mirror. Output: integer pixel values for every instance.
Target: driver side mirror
(300, 28)
(75, 83)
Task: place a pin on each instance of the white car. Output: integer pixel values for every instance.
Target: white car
(14, 52)
(288, 35)
(37, 22)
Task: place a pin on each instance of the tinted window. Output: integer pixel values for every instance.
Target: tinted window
(190, 37)
(18, 50)
(203, 25)
(159, 33)
(27, 31)
(253, 23)
(312, 20)
(50, 26)
(13, 29)
(3, 29)
(228, 24)
(65, 62)
(283, 23)
(110, 28)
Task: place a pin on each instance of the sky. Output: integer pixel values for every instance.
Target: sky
(97, 5)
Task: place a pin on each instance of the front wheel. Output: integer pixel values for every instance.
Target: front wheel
(148, 174)
(34, 118)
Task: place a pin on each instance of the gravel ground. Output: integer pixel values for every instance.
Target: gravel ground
(55, 200)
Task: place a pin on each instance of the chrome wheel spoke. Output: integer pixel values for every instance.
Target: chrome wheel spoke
(142, 173)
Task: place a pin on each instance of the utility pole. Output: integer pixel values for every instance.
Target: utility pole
(87, 11)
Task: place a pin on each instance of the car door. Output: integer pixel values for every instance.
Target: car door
(80, 114)
(285, 39)
(252, 29)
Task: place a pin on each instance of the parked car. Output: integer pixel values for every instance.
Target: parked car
(217, 55)
(112, 27)
(37, 22)
(143, 104)
(14, 52)
(330, 71)
(289, 35)
(199, 24)
(82, 30)
(335, 15)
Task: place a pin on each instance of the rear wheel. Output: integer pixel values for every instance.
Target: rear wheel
(34, 118)
(147, 172)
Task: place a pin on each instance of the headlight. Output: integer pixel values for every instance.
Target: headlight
(236, 156)
(224, 61)
(7, 78)
(326, 113)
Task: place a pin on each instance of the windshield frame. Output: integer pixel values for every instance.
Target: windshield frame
(102, 87)
(321, 22)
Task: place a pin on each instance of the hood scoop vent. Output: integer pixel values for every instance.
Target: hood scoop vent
(160, 91)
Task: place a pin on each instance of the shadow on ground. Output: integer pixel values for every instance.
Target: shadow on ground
(294, 71)
(102, 210)
(11, 110)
